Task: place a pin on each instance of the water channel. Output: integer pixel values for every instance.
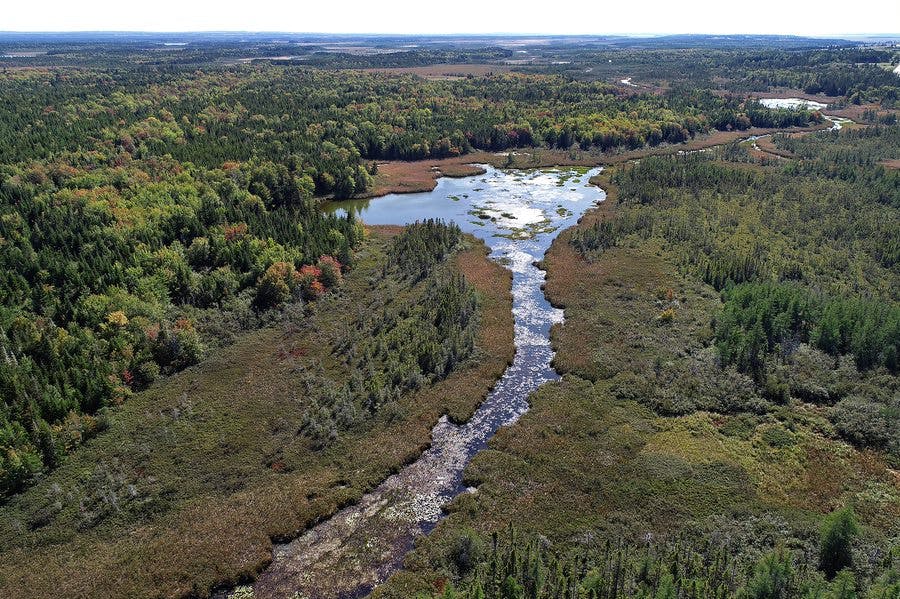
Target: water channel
(518, 214)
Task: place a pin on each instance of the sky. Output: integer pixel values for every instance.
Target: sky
(793, 17)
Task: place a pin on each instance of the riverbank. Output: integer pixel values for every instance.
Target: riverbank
(517, 214)
(399, 176)
(207, 467)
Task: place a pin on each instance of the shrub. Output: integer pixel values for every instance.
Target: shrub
(778, 437)
(276, 285)
(330, 270)
(843, 586)
(869, 423)
(144, 374)
(178, 347)
(666, 316)
(466, 551)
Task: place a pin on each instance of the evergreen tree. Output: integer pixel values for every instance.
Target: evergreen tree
(836, 536)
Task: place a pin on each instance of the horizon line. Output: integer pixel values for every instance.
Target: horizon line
(428, 34)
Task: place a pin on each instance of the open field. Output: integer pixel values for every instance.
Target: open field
(857, 113)
(198, 474)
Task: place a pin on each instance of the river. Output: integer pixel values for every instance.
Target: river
(518, 214)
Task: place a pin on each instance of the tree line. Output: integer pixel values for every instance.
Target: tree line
(513, 565)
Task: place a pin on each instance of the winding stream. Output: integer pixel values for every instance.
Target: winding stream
(837, 122)
(518, 214)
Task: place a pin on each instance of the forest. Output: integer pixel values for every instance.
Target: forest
(150, 215)
(116, 274)
(510, 566)
(327, 125)
(199, 361)
(851, 73)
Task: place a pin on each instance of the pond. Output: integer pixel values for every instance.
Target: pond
(518, 214)
(792, 103)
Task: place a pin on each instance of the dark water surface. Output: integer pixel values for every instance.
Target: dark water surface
(518, 214)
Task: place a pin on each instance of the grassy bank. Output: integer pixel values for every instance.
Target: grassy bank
(197, 475)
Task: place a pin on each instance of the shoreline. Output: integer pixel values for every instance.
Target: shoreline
(418, 176)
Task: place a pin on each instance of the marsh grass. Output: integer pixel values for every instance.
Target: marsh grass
(622, 449)
(196, 476)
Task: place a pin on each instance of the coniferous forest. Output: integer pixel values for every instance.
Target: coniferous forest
(152, 212)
